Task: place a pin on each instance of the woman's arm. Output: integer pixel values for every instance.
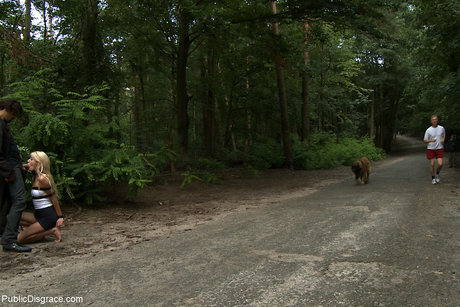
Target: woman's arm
(56, 206)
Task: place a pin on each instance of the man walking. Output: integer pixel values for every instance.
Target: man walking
(451, 147)
(435, 137)
(11, 177)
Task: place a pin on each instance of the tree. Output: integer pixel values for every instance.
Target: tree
(285, 130)
(306, 87)
(28, 21)
(435, 86)
(183, 123)
(196, 79)
(92, 47)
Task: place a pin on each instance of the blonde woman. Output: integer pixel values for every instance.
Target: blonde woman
(48, 217)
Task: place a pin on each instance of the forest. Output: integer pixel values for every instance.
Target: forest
(121, 91)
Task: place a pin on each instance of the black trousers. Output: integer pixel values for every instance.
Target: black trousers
(5, 204)
(17, 193)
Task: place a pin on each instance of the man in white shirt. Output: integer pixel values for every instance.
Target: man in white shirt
(435, 137)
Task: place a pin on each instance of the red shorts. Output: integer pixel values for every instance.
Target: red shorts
(435, 154)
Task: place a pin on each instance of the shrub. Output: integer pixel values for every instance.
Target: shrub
(326, 152)
(266, 153)
(207, 165)
(79, 135)
(231, 158)
(204, 170)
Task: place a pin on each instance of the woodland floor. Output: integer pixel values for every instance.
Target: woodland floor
(162, 209)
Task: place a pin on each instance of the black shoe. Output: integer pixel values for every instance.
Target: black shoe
(15, 247)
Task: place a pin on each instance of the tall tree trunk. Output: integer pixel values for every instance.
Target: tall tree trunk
(116, 112)
(203, 92)
(249, 141)
(306, 87)
(380, 127)
(45, 29)
(372, 117)
(142, 123)
(137, 117)
(90, 44)
(181, 85)
(171, 124)
(209, 104)
(28, 22)
(282, 98)
(50, 21)
(228, 121)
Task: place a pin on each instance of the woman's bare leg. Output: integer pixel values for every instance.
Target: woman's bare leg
(35, 232)
(32, 230)
(27, 219)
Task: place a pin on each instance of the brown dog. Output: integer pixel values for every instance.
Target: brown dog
(361, 168)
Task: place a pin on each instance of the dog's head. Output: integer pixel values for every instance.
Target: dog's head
(356, 168)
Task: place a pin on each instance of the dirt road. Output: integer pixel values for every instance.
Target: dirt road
(393, 242)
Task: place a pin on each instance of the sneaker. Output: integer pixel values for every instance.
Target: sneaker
(437, 178)
(433, 181)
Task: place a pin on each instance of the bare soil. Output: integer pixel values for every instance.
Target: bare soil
(163, 209)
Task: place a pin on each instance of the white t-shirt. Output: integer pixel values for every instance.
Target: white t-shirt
(435, 133)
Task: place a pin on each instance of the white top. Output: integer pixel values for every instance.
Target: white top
(40, 203)
(435, 133)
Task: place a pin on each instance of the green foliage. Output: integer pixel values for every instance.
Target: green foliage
(66, 184)
(326, 151)
(371, 64)
(435, 84)
(121, 164)
(158, 161)
(79, 136)
(266, 153)
(189, 177)
(232, 158)
(204, 170)
(199, 175)
(207, 165)
(46, 132)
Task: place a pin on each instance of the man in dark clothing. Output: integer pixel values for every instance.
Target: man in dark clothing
(11, 180)
(451, 147)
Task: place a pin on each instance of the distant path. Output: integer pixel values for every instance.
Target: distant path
(393, 242)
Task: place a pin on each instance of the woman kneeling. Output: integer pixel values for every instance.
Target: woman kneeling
(48, 217)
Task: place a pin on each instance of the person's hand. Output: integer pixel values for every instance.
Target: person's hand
(60, 222)
(11, 178)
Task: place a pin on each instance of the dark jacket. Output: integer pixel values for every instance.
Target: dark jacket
(5, 166)
(5, 171)
(451, 145)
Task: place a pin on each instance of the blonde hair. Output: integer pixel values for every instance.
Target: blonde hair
(43, 168)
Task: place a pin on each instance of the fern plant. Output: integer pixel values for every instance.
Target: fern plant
(77, 132)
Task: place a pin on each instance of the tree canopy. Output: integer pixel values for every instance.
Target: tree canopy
(121, 91)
